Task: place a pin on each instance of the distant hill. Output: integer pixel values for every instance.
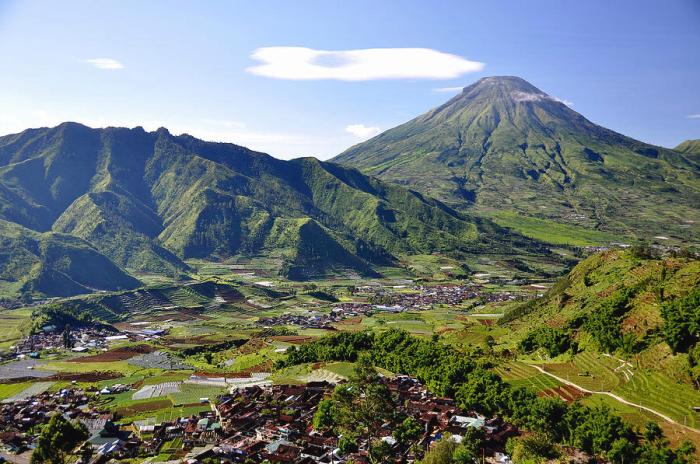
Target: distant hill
(151, 200)
(54, 264)
(689, 147)
(505, 149)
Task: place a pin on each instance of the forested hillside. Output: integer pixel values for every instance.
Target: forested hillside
(54, 264)
(632, 302)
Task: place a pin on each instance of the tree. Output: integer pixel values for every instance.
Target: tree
(469, 449)
(595, 429)
(441, 452)
(57, 439)
(379, 450)
(448, 451)
(682, 321)
(67, 338)
(323, 419)
(347, 444)
(652, 432)
(372, 402)
(408, 430)
(622, 450)
(530, 449)
(358, 409)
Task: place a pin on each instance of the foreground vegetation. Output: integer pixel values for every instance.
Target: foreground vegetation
(594, 430)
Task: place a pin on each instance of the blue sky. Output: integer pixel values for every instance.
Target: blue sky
(632, 66)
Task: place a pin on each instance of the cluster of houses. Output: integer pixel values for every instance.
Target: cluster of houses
(426, 297)
(49, 338)
(20, 418)
(421, 298)
(305, 320)
(319, 320)
(250, 424)
(79, 340)
(275, 424)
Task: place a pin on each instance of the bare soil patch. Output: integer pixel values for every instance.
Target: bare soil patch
(296, 339)
(351, 321)
(567, 393)
(86, 376)
(143, 407)
(118, 354)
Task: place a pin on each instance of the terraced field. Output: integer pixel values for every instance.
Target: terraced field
(520, 374)
(655, 391)
(322, 375)
(600, 373)
(592, 371)
(185, 297)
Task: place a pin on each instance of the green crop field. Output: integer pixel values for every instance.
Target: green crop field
(520, 374)
(590, 370)
(11, 324)
(654, 390)
(550, 231)
(191, 393)
(8, 390)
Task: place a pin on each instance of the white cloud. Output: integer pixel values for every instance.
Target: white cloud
(532, 97)
(105, 63)
(694, 116)
(300, 63)
(362, 131)
(448, 89)
(561, 100)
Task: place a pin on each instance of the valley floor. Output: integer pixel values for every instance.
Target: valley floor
(174, 349)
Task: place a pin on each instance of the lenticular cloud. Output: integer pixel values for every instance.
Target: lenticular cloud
(300, 63)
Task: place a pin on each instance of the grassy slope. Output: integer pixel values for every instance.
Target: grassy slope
(550, 231)
(655, 377)
(54, 264)
(151, 200)
(488, 149)
(689, 147)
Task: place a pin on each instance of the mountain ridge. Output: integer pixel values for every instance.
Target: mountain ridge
(690, 147)
(151, 200)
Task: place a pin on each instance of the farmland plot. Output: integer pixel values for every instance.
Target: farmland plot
(154, 391)
(33, 389)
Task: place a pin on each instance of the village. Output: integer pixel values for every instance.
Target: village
(418, 298)
(89, 338)
(249, 424)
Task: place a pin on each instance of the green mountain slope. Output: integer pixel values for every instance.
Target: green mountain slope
(623, 301)
(502, 144)
(149, 201)
(624, 322)
(691, 147)
(54, 264)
